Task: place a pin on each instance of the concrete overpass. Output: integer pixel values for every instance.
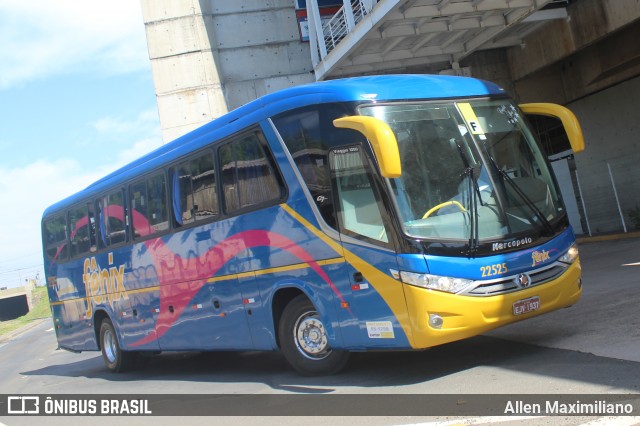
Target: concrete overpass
(373, 36)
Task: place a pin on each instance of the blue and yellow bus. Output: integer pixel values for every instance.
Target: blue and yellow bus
(371, 213)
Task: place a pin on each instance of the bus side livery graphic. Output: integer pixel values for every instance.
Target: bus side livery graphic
(222, 252)
(107, 284)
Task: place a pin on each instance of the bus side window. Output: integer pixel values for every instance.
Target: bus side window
(194, 190)
(93, 233)
(309, 134)
(149, 212)
(203, 186)
(80, 237)
(248, 178)
(158, 213)
(113, 229)
(139, 207)
(358, 209)
(55, 238)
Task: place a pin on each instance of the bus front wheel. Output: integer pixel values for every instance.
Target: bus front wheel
(115, 358)
(304, 342)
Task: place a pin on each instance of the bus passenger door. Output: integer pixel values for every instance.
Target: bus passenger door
(374, 298)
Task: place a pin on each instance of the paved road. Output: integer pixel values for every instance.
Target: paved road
(593, 347)
(606, 321)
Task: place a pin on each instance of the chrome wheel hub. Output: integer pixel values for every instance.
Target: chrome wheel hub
(110, 346)
(311, 337)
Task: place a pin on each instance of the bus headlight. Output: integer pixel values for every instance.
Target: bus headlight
(570, 255)
(435, 282)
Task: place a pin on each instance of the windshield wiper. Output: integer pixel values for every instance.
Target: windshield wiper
(528, 201)
(473, 195)
(506, 178)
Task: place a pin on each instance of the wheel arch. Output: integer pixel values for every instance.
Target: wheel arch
(305, 341)
(99, 316)
(281, 298)
(323, 303)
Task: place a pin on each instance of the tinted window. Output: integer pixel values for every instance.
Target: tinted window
(158, 212)
(139, 209)
(248, 177)
(149, 211)
(82, 225)
(112, 219)
(55, 238)
(309, 134)
(194, 190)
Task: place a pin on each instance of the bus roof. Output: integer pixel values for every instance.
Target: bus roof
(356, 89)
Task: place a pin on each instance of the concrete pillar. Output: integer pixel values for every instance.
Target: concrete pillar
(183, 54)
(211, 56)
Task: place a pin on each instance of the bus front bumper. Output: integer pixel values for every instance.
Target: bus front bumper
(439, 317)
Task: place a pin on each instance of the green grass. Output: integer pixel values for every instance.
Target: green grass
(40, 309)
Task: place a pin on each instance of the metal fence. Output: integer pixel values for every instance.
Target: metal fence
(339, 26)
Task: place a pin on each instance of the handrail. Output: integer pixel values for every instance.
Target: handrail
(337, 28)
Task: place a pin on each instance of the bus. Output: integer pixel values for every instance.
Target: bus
(394, 212)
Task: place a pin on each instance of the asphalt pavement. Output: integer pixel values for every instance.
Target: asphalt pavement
(592, 347)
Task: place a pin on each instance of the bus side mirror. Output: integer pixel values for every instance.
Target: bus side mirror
(382, 138)
(568, 119)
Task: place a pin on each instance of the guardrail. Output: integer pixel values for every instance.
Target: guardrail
(336, 28)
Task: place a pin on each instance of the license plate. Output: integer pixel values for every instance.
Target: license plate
(526, 305)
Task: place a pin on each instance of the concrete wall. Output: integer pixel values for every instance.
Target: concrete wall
(603, 64)
(567, 59)
(595, 48)
(611, 124)
(492, 65)
(211, 56)
(259, 48)
(589, 21)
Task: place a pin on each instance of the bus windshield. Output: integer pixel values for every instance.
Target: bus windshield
(471, 170)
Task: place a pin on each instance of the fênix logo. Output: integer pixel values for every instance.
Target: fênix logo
(539, 257)
(103, 285)
(23, 405)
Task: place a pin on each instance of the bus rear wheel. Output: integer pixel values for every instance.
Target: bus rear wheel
(304, 341)
(116, 360)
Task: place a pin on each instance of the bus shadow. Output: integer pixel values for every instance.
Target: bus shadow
(533, 365)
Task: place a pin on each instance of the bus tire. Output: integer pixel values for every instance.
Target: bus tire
(116, 360)
(304, 342)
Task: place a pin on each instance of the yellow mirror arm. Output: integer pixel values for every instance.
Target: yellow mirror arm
(382, 138)
(569, 121)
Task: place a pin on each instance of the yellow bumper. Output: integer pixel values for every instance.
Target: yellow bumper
(466, 316)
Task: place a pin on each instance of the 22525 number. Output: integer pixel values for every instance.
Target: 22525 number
(493, 270)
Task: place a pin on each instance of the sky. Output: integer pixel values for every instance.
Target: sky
(76, 102)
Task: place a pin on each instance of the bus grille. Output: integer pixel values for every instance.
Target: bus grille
(509, 284)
